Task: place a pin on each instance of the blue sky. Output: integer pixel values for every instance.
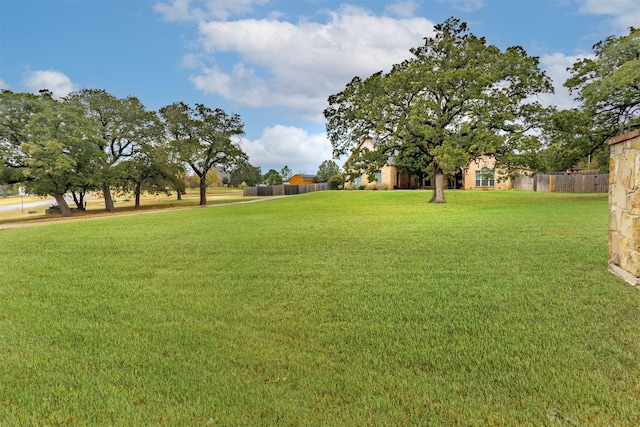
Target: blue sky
(274, 62)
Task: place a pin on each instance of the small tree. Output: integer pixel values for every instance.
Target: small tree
(272, 177)
(326, 170)
(247, 173)
(336, 182)
(151, 170)
(212, 178)
(286, 173)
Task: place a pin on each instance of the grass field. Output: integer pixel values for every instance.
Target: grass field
(332, 308)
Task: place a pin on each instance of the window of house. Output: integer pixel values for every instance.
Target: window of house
(379, 177)
(485, 177)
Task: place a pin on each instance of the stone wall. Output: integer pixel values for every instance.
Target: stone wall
(624, 207)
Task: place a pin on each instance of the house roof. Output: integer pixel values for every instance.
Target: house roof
(305, 177)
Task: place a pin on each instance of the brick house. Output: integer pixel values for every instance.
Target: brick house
(478, 174)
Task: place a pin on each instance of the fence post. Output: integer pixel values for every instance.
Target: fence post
(550, 183)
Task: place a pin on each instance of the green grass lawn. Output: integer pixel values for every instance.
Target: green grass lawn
(332, 308)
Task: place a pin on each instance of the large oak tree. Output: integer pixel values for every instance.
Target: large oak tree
(125, 125)
(457, 98)
(203, 138)
(49, 143)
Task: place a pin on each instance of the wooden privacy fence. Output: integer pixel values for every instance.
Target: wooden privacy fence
(577, 183)
(284, 190)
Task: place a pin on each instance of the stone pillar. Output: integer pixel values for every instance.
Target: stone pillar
(624, 207)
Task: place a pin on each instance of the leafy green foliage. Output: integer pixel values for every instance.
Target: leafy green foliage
(609, 84)
(272, 177)
(247, 173)
(203, 138)
(336, 181)
(124, 125)
(95, 141)
(609, 91)
(16, 111)
(286, 173)
(51, 143)
(151, 169)
(326, 170)
(415, 162)
(364, 160)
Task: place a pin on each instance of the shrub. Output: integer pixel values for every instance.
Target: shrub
(336, 182)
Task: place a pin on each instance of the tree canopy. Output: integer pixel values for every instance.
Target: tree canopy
(92, 140)
(607, 85)
(245, 173)
(286, 173)
(51, 144)
(203, 138)
(457, 98)
(272, 177)
(326, 170)
(125, 125)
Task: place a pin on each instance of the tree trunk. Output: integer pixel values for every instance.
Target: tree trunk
(438, 185)
(62, 204)
(179, 194)
(203, 189)
(108, 201)
(137, 192)
(78, 199)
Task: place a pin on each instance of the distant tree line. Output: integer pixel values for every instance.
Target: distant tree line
(92, 141)
(251, 175)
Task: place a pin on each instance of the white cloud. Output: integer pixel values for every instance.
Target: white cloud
(4, 85)
(222, 9)
(179, 10)
(241, 85)
(284, 145)
(465, 5)
(624, 13)
(188, 10)
(556, 65)
(298, 65)
(191, 61)
(403, 9)
(55, 81)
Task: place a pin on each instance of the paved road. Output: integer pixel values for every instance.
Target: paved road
(27, 205)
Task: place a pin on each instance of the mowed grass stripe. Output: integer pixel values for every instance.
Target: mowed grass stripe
(348, 308)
